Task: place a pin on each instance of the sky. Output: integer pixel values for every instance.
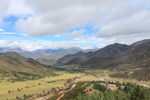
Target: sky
(53, 24)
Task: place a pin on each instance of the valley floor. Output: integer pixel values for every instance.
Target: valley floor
(11, 91)
(46, 88)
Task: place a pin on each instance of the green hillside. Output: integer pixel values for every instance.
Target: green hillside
(14, 67)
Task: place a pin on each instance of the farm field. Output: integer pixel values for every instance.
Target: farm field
(9, 91)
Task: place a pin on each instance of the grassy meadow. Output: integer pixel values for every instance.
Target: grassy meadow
(9, 91)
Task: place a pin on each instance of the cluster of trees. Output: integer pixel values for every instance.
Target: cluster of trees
(25, 76)
(25, 97)
(129, 92)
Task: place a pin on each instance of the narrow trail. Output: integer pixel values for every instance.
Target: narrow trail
(106, 74)
(62, 95)
(73, 86)
(45, 97)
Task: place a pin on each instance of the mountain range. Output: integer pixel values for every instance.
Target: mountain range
(134, 57)
(110, 56)
(45, 56)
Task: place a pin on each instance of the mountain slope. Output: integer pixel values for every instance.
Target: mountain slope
(50, 53)
(94, 59)
(7, 49)
(138, 56)
(46, 61)
(102, 57)
(76, 58)
(16, 67)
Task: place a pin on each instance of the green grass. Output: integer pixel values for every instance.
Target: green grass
(32, 86)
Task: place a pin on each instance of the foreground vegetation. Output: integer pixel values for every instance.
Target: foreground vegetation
(101, 90)
(123, 92)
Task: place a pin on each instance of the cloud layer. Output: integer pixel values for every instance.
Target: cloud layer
(124, 21)
(112, 17)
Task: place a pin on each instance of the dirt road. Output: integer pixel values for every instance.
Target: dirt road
(106, 74)
(45, 97)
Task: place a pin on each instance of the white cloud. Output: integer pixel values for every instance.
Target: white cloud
(84, 43)
(137, 24)
(18, 8)
(1, 30)
(76, 34)
(52, 17)
(53, 22)
(3, 43)
(35, 45)
(4, 5)
(13, 8)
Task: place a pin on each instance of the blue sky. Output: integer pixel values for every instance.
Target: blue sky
(10, 33)
(33, 25)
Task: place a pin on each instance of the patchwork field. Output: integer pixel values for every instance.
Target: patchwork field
(9, 91)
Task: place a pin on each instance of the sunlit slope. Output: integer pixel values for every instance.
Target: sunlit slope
(14, 65)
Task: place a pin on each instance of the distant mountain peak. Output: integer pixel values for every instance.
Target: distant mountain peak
(79, 53)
